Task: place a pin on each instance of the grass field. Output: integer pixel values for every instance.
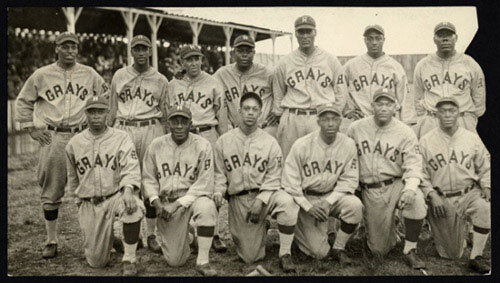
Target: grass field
(26, 236)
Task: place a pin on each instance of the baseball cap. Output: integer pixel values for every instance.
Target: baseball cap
(374, 27)
(97, 101)
(253, 95)
(384, 92)
(449, 99)
(330, 107)
(178, 110)
(140, 39)
(445, 25)
(190, 50)
(66, 36)
(244, 40)
(305, 22)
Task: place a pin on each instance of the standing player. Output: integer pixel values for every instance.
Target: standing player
(248, 171)
(104, 174)
(178, 179)
(137, 107)
(448, 73)
(321, 173)
(56, 94)
(457, 184)
(306, 78)
(390, 174)
(369, 72)
(246, 76)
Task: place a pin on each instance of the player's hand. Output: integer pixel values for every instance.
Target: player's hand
(419, 107)
(170, 209)
(406, 198)
(129, 201)
(318, 212)
(41, 136)
(354, 114)
(272, 120)
(217, 197)
(486, 193)
(158, 207)
(438, 208)
(253, 214)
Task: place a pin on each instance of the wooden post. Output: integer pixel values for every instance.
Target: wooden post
(130, 19)
(71, 17)
(273, 38)
(196, 29)
(154, 24)
(228, 31)
(253, 34)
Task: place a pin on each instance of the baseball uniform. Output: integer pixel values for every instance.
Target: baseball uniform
(234, 84)
(99, 167)
(184, 173)
(388, 158)
(57, 97)
(300, 84)
(315, 171)
(457, 166)
(459, 76)
(249, 167)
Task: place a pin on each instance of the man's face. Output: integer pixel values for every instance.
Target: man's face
(445, 40)
(305, 37)
(243, 55)
(96, 118)
(383, 109)
(192, 65)
(141, 54)
(447, 114)
(67, 52)
(250, 111)
(374, 42)
(179, 127)
(329, 124)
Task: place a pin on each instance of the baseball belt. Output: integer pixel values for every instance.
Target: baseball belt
(454, 194)
(377, 185)
(95, 200)
(246, 192)
(138, 123)
(299, 111)
(67, 130)
(198, 130)
(319, 194)
(178, 194)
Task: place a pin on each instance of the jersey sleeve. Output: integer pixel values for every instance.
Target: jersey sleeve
(221, 110)
(272, 179)
(482, 163)
(418, 85)
(291, 178)
(162, 104)
(412, 159)
(113, 101)
(150, 173)
(130, 171)
(426, 183)
(25, 102)
(478, 88)
(100, 86)
(348, 181)
(72, 174)
(339, 85)
(279, 88)
(220, 172)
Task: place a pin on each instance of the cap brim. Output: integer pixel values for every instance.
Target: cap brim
(193, 53)
(182, 114)
(384, 95)
(244, 44)
(446, 101)
(328, 110)
(447, 28)
(141, 43)
(301, 26)
(66, 40)
(375, 29)
(97, 106)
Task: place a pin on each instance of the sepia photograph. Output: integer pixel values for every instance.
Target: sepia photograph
(247, 141)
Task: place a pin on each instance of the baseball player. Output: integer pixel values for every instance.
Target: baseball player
(137, 106)
(457, 185)
(306, 78)
(246, 76)
(178, 179)
(56, 94)
(321, 173)
(248, 172)
(369, 72)
(390, 171)
(104, 174)
(448, 73)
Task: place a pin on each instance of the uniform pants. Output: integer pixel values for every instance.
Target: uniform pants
(250, 238)
(450, 233)
(379, 217)
(428, 122)
(292, 127)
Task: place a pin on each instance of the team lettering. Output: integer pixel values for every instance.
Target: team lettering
(106, 160)
(387, 151)
(439, 160)
(315, 75)
(234, 162)
(376, 79)
(140, 93)
(313, 168)
(78, 90)
(458, 80)
(196, 98)
(234, 93)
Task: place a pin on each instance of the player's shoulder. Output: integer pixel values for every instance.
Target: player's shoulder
(159, 143)
(85, 68)
(392, 61)
(353, 61)
(50, 68)
(207, 78)
(306, 140)
(199, 141)
(78, 138)
(119, 134)
(265, 137)
(467, 59)
(469, 135)
(120, 72)
(402, 127)
(361, 123)
(345, 139)
(429, 136)
(225, 69)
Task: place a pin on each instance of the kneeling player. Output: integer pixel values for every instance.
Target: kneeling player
(104, 173)
(321, 173)
(178, 179)
(248, 171)
(457, 185)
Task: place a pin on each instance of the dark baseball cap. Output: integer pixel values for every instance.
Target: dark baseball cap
(305, 22)
(190, 50)
(445, 25)
(140, 39)
(384, 92)
(378, 28)
(66, 36)
(244, 40)
(330, 107)
(97, 101)
(447, 99)
(253, 95)
(179, 110)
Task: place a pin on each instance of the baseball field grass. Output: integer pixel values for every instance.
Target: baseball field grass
(26, 236)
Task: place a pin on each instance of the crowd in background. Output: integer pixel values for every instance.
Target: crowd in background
(30, 50)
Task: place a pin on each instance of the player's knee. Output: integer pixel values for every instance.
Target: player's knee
(482, 217)
(206, 212)
(352, 212)
(418, 209)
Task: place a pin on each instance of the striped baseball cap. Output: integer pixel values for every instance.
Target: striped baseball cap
(97, 101)
(66, 36)
(190, 50)
(140, 39)
(244, 40)
(384, 92)
(179, 110)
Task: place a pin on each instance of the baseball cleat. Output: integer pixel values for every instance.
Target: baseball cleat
(140, 244)
(118, 245)
(286, 263)
(50, 250)
(413, 260)
(340, 256)
(477, 264)
(206, 270)
(129, 269)
(218, 245)
(153, 244)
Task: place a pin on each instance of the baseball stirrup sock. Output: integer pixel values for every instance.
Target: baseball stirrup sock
(478, 243)
(129, 252)
(347, 228)
(413, 228)
(50, 214)
(150, 210)
(341, 239)
(409, 246)
(285, 243)
(204, 244)
(131, 232)
(51, 227)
